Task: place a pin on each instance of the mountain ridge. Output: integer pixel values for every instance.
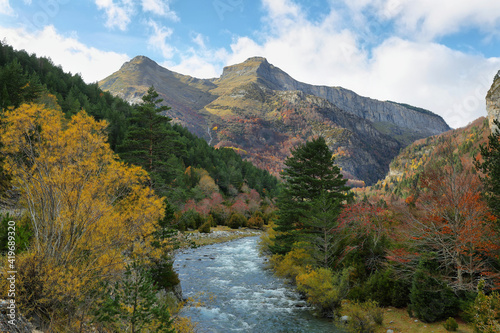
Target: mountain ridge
(260, 110)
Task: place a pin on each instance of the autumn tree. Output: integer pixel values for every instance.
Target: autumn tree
(310, 173)
(87, 209)
(452, 221)
(363, 236)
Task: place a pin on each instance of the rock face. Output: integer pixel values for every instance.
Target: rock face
(404, 116)
(262, 112)
(493, 102)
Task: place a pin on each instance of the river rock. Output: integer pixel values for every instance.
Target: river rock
(177, 290)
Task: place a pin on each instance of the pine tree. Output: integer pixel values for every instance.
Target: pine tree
(150, 141)
(133, 303)
(490, 166)
(310, 173)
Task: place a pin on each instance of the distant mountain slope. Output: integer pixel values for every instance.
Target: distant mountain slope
(28, 78)
(410, 163)
(262, 112)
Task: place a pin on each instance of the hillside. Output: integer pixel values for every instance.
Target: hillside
(27, 78)
(261, 112)
(406, 168)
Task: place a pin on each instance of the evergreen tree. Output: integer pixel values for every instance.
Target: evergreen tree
(310, 174)
(162, 271)
(431, 299)
(133, 302)
(490, 166)
(150, 141)
(320, 226)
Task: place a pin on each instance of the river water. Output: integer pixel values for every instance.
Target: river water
(239, 294)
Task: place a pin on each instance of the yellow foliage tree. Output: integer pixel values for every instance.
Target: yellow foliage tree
(323, 288)
(86, 207)
(207, 184)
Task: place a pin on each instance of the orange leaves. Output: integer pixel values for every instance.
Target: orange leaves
(80, 198)
(452, 220)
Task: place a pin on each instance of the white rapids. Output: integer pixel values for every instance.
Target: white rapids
(238, 294)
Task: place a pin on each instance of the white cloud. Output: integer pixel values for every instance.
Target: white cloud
(448, 82)
(158, 39)
(72, 55)
(119, 15)
(437, 18)
(200, 61)
(5, 8)
(197, 66)
(159, 7)
(281, 8)
(428, 19)
(416, 71)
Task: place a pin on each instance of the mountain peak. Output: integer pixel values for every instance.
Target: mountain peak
(256, 60)
(257, 69)
(247, 68)
(139, 60)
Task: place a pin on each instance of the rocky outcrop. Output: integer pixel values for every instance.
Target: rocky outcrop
(262, 112)
(417, 120)
(493, 102)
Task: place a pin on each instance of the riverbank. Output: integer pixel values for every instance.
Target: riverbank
(219, 234)
(399, 321)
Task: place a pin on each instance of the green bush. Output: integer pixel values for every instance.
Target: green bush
(211, 221)
(237, 220)
(379, 287)
(450, 325)
(431, 299)
(191, 220)
(163, 274)
(486, 311)
(219, 215)
(384, 288)
(400, 293)
(467, 306)
(205, 227)
(362, 317)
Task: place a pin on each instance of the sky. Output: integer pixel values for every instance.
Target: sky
(441, 55)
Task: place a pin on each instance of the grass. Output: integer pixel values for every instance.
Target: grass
(398, 320)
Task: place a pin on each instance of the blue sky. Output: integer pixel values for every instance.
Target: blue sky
(437, 54)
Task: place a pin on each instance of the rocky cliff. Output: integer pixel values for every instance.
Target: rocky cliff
(262, 112)
(493, 102)
(415, 119)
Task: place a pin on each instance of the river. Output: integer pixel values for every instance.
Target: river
(239, 294)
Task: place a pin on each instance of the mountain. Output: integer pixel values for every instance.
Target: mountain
(493, 101)
(407, 167)
(261, 112)
(26, 78)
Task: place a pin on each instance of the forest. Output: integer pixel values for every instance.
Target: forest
(425, 239)
(99, 189)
